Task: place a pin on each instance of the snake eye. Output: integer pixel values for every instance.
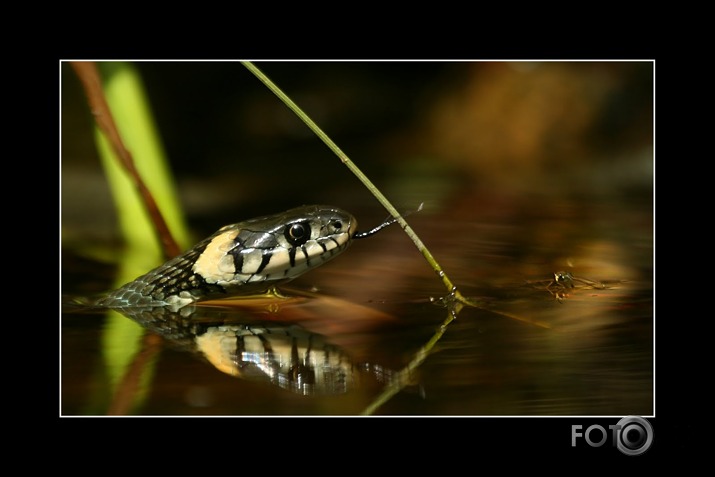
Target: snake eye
(298, 233)
(336, 224)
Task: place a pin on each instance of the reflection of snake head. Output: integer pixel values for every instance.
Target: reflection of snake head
(247, 256)
(289, 357)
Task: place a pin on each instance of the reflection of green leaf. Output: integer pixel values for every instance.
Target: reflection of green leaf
(121, 341)
(126, 98)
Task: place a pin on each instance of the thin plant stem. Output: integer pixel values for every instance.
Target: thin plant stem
(453, 301)
(362, 177)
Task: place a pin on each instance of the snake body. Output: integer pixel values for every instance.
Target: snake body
(244, 257)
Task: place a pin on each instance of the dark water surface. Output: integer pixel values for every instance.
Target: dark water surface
(524, 170)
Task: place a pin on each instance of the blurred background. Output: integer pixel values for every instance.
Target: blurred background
(524, 169)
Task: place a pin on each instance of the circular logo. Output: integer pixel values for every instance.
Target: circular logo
(635, 435)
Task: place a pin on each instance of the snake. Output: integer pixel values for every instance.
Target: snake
(246, 257)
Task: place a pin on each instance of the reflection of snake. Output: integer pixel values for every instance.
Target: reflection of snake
(246, 257)
(241, 344)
